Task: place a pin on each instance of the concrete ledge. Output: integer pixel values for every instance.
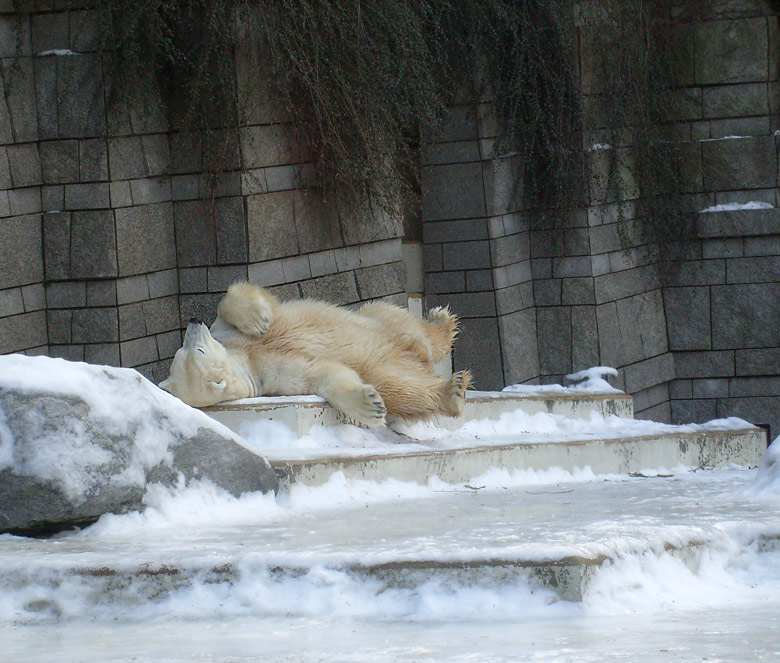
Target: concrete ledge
(624, 455)
(300, 413)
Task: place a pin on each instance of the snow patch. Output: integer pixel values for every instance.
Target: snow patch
(733, 207)
(57, 52)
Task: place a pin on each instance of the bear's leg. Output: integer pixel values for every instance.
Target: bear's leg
(248, 307)
(453, 393)
(402, 329)
(441, 328)
(343, 389)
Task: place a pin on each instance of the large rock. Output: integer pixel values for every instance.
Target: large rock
(78, 440)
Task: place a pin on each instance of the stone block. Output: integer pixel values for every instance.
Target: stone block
(648, 373)
(22, 332)
(381, 280)
(688, 318)
(24, 164)
(132, 289)
(95, 325)
(34, 297)
(131, 321)
(138, 351)
(460, 151)
(571, 267)
(445, 282)
(502, 181)
(84, 31)
(758, 410)
(452, 192)
(59, 325)
(694, 272)
(745, 316)
(479, 280)
(193, 280)
(87, 196)
(67, 352)
(150, 190)
(510, 249)
(145, 239)
(693, 411)
(459, 123)
(102, 354)
(287, 292)
(541, 268)
(749, 270)
(362, 222)
(221, 277)
(316, 221)
(161, 315)
(466, 255)
(375, 253)
(79, 97)
(14, 36)
(267, 273)
(230, 230)
(740, 223)
(753, 386)
(519, 349)
(577, 291)
(120, 193)
(162, 284)
(52, 198)
(271, 226)
(704, 364)
(19, 118)
(49, 32)
(545, 244)
(185, 187)
(433, 260)
(514, 298)
(466, 305)
(195, 233)
(335, 288)
(11, 302)
(168, 343)
(722, 248)
(277, 178)
(554, 340)
(93, 245)
(322, 263)
(584, 338)
(740, 163)
(735, 100)
(20, 251)
(681, 389)
(454, 230)
(547, 292)
(760, 361)
(263, 146)
(296, 268)
(24, 201)
(69, 294)
(479, 337)
(731, 51)
(56, 245)
(101, 293)
(60, 161)
(137, 157)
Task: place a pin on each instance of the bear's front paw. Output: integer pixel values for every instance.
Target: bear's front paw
(364, 406)
(253, 322)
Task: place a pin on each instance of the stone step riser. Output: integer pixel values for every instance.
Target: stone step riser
(615, 456)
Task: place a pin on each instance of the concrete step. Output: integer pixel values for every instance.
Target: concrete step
(554, 536)
(621, 454)
(300, 413)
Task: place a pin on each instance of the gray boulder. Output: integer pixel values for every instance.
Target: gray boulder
(78, 441)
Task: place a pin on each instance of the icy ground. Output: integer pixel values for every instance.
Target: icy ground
(649, 605)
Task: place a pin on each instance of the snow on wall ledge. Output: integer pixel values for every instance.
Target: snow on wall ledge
(78, 440)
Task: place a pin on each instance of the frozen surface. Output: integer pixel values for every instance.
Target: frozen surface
(733, 207)
(276, 441)
(646, 606)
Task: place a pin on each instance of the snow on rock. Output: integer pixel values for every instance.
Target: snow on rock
(736, 207)
(767, 481)
(78, 440)
(590, 380)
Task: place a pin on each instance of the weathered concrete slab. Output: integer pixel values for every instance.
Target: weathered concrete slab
(621, 455)
(300, 413)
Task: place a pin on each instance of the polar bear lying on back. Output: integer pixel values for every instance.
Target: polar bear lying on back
(376, 361)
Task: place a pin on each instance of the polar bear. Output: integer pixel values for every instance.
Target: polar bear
(367, 363)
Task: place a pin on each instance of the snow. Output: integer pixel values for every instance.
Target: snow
(733, 207)
(767, 481)
(57, 52)
(73, 460)
(597, 147)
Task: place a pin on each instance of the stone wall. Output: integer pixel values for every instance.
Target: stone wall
(113, 234)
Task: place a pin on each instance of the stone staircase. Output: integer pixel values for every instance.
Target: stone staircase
(475, 514)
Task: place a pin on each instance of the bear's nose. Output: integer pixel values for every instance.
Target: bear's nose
(196, 321)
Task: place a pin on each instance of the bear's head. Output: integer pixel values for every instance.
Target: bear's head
(201, 372)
